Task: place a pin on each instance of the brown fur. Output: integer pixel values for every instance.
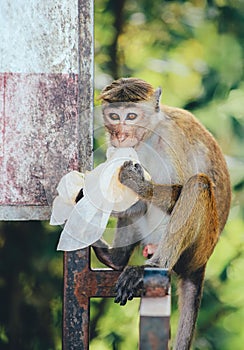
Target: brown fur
(217, 171)
(127, 90)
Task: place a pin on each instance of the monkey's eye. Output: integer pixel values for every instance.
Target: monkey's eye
(114, 116)
(131, 116)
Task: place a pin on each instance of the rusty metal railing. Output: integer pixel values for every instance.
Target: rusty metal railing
(82, 283)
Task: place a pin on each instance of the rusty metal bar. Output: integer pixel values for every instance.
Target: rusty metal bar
(80, 284)
(75, 316)
(155, 310)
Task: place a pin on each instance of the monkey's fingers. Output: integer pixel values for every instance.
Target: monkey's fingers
(132, 175)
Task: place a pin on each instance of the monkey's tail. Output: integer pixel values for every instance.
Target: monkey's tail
(190, 294)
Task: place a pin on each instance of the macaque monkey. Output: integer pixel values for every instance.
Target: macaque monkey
(190, 189)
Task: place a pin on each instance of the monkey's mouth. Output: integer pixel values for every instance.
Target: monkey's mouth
(124, 142)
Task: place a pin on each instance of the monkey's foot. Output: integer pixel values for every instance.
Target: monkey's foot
(130, 284)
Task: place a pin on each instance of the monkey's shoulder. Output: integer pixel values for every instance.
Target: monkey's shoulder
(178, 114)
(187, 122)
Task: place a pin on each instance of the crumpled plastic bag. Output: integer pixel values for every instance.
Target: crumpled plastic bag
(68, 188)
(103, 193)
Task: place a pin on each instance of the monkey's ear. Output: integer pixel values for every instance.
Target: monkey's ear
(157, 96)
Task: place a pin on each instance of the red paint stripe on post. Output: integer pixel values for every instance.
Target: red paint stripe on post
(39, 139)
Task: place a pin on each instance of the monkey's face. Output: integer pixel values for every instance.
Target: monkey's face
(126, 124)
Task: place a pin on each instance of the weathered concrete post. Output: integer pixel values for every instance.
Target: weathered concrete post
(40, 137)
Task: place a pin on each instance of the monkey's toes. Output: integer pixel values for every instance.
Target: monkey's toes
(130, 284)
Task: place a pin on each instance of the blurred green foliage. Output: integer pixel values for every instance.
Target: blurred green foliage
(30, 287)
(194, 50)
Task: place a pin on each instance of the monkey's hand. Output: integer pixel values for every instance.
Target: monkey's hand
(132, 176)
(130, 284)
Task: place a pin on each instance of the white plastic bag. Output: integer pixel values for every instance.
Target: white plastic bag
(68, 188)
(87, 220)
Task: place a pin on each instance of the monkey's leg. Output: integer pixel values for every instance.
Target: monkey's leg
(192, 229)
